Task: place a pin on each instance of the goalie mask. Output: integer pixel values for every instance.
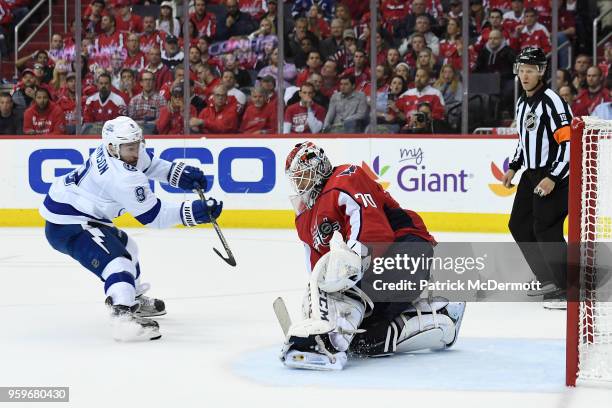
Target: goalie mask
(307, 168)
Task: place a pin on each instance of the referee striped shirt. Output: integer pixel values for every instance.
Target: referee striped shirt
(543, 122)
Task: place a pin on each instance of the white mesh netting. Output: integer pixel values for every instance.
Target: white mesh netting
(595, 336)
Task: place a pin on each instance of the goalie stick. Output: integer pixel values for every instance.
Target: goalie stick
(280, 309)
(230, 257)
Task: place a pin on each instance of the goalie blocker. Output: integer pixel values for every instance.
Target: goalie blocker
(337, 210)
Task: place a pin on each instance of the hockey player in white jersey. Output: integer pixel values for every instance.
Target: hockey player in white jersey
(80, 206)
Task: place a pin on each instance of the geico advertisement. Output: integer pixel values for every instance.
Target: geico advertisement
(444, 175)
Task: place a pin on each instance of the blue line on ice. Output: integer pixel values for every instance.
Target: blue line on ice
(473, 364)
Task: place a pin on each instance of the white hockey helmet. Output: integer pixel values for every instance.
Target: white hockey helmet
(120, 130)
(307, 168)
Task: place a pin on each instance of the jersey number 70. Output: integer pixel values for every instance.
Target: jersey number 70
(367, 199)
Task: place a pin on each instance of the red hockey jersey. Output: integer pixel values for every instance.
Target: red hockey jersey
(358, 207)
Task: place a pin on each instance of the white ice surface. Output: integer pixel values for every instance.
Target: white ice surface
(220, 339)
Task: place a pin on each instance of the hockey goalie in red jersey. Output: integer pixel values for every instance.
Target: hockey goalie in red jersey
(343, 217)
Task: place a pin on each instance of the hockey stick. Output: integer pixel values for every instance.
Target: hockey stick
(280, 309)
(230, 257)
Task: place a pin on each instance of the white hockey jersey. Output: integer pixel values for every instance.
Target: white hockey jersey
(105, 187)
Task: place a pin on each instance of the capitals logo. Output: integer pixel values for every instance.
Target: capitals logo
(376, 172)
(322, 233)
(500, 189)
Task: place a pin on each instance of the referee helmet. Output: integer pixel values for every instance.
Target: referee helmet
(531, 56)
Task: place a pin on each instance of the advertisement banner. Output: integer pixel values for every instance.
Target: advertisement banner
(450, 178)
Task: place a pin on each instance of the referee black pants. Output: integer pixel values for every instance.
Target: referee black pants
(536, 224)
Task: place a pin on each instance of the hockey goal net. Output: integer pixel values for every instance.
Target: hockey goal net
(589, 312)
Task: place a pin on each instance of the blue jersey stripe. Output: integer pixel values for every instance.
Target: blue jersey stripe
(66, 209)
(149, 216)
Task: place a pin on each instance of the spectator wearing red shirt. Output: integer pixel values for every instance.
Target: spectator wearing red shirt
(394, 10)
(156, 66)
(305, 116)
(422, 92)
(258, 118)
(206, 81)
(170, 121)
(494, 23)
(166, 89)
(128, 87)
(92, 16)
(127, 21)
(313, 65)
(329, 72)
(103, 105)
(268, 85)
(593, 95)
(514, 17)
(567, 31)
(43, 117)
(531, 34)
(359, 70)
(256, 8)
(235, 96)
(317, 23)
(110, 41)
(447, 44)
(135, 59)
(502, 5)
(581, 65)
(204, 22)
(218, 117)
(478, 17)
(67, 102)
(543, 8)
(417, 44)
(150, 37)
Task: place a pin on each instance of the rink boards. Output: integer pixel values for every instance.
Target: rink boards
(454, 181)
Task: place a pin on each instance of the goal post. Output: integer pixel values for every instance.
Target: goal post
(589, 307)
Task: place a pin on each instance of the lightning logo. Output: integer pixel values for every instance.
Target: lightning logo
(98, 238)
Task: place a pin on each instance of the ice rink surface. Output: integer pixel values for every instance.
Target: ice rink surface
(221, 340)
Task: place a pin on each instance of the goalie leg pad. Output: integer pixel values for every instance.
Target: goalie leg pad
(424, 325)
(321, 344)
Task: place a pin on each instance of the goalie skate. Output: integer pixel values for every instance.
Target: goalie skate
(315, 361)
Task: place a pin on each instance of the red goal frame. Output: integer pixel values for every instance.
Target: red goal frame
(580, 272)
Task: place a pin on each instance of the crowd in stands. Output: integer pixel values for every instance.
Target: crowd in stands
(132, 64)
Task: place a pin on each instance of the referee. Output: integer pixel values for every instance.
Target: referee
(540, 206)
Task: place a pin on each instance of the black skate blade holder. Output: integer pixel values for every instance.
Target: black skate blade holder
(230, 257)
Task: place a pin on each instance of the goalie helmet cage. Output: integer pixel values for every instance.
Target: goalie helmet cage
(589, 309)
